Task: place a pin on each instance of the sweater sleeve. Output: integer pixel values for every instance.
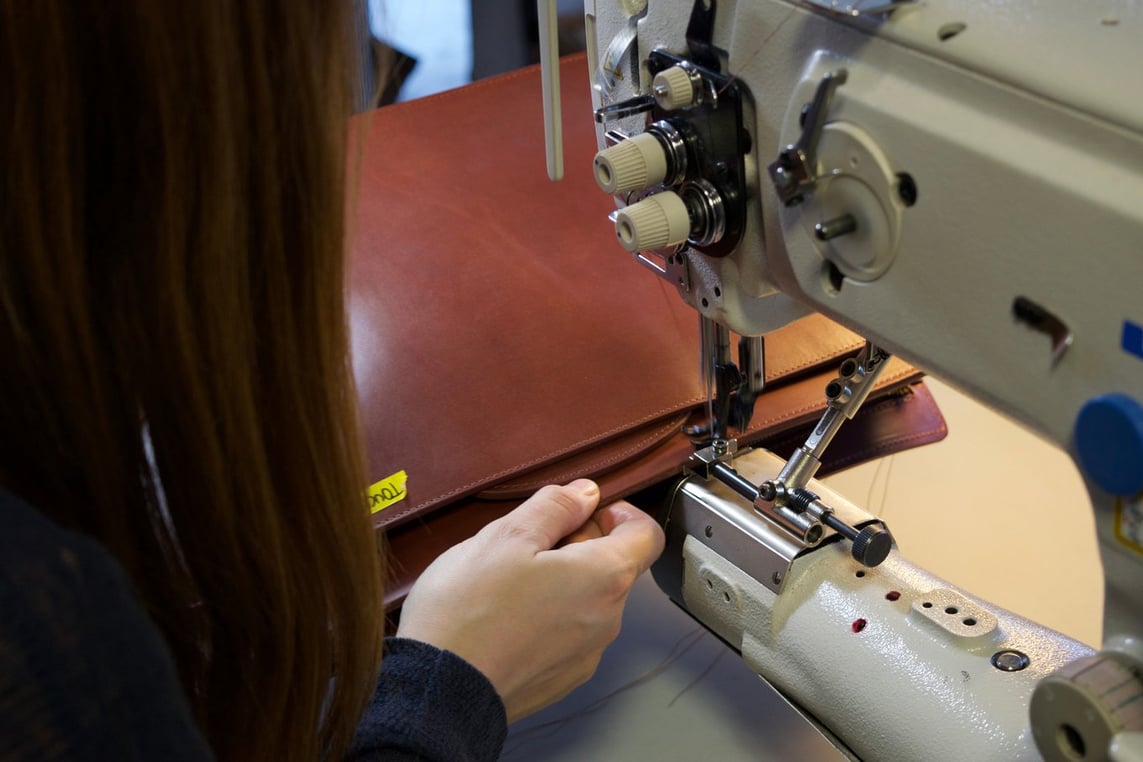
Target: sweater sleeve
(84, 673)
(430, 705)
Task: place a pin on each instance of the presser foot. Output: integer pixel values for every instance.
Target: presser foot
(798, 512)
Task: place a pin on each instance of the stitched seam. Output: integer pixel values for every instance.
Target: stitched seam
(829, 354)
(527, 465)
(653, 437)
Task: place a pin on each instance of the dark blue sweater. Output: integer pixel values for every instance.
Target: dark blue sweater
(85, 675)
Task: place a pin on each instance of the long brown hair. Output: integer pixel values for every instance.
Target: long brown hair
(174, 379)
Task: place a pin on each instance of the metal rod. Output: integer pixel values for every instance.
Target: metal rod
(735, 481)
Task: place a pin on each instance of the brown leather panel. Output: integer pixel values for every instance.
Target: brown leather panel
(497, 326)
(905, 417)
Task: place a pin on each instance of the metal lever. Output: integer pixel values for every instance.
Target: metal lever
(1040, 319)
(799, 512)
(795, 169)
(844, 396)
(638, 105)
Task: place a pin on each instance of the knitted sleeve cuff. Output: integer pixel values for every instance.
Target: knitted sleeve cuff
(430, 704)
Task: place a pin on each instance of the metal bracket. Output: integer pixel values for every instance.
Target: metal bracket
(702, 462)
(794, 172)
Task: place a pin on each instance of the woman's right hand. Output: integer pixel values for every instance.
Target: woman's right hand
(534, 598)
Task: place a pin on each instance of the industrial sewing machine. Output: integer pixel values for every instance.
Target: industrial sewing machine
(962, 184)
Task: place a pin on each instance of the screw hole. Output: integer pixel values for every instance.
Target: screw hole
(726, 597)
(625, 232)
(906, 188)
(948, 31)
(708, 531)
(970, 622)
(717, 292)
(951, 610)
(926, 605)
(892, 595)
(859, 625)
(859, 574)
(710, 584)
(832, 279)
(705, 303)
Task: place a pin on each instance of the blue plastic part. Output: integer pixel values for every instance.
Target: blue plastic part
(1132, 339)
(1109, 443)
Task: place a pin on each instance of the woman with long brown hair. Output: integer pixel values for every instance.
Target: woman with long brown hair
(187, 568)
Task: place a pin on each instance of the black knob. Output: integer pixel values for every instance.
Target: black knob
(871, 546)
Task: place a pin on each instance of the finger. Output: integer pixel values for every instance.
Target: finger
(552, 514)
(613, 514)
(632, 533)
(589, 531)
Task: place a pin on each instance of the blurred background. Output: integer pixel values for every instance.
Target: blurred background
(442, 44)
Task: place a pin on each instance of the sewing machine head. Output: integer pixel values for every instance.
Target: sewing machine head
(958, 191)
(958, 182)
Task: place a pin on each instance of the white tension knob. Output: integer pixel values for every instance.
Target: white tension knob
(654, 223)
(631, 164)
(676, 88)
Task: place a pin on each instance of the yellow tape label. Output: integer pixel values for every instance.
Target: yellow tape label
(1129, 523)
(389, 490)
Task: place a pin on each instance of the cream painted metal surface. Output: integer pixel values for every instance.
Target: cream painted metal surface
(893, 660)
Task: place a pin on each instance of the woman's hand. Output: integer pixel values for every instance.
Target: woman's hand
(534, 598)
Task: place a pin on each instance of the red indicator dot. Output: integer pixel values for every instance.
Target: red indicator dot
(892, 595)
(859, 625)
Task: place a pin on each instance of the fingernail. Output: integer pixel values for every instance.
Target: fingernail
(585, 487)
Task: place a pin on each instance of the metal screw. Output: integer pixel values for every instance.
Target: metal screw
(1010, 660)
(777, 577)
(767, 491)
(835, 228)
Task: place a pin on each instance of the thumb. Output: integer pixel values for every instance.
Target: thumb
(551, 514)
(635, 535)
